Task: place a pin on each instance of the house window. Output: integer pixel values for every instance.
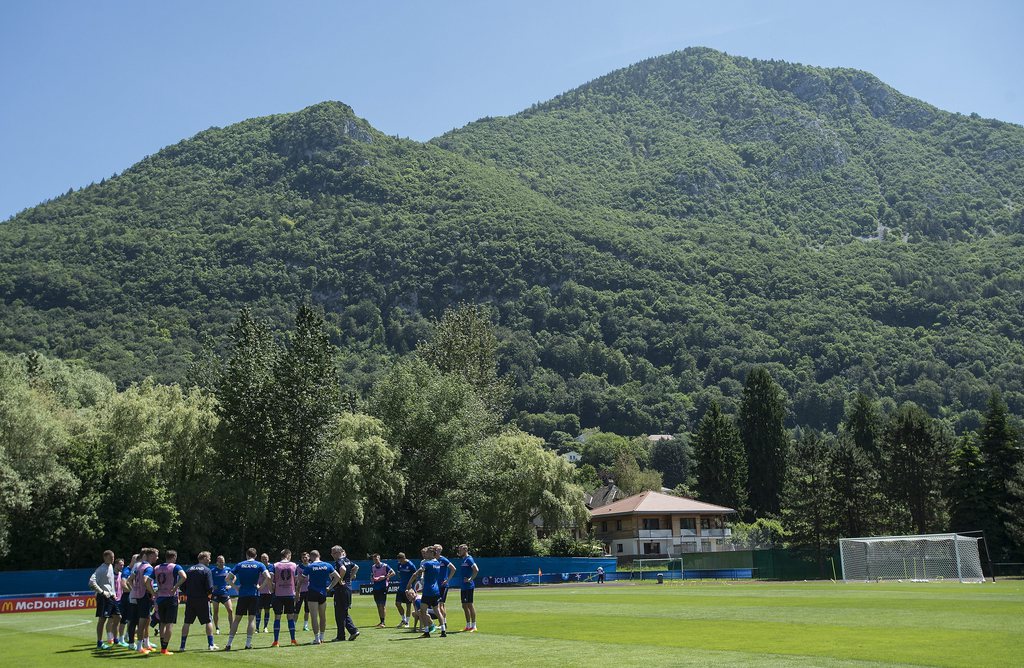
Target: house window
(618, 525)
(618, 547)
(652, 523)
(705, 523)
(652, 548)
(604, 526)
(688, 523)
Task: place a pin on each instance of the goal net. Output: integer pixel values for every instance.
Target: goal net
(946, 556)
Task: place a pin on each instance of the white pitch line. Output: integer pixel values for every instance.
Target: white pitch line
(52, 628)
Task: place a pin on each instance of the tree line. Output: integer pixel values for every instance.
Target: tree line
(264, 447)
(266, 444)
(879, 474)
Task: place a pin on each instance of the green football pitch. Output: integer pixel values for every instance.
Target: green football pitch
(676, 624)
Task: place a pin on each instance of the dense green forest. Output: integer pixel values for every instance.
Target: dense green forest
(268, 450)
(271, 453)
(644, 240)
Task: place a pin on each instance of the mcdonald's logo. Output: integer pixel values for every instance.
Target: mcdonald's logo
(45, 603)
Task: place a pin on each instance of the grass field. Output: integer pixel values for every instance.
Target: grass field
(677, 624)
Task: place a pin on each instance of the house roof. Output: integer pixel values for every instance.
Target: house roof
(603, 495)
(656, 502)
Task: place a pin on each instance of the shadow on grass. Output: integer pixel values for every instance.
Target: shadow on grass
(419, 636)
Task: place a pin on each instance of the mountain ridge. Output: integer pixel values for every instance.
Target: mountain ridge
(639, 260)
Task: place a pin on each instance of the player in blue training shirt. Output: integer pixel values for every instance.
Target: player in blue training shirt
(430, 571)
(405, 569)
(248, 575)
(447, 572)
(468, 570)
(220, 594)
(319, 576)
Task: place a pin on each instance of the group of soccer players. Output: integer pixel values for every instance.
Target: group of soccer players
(131, 598)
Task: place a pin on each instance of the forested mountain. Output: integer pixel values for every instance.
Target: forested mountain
(645, 240)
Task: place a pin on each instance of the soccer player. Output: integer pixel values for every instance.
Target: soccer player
(321, 576)
(103, 581)
(266, 595)
(405, 569)
(303, 588)
(380, 573)
(430, 571)
(119, 596)
(469, 571)
(220, 594)
(284, 595)
(140, 583)
(169, 579)
(248, 574)
(447, 573)
(343, 594)
(198, 589)
(127, 629)
(417, 602)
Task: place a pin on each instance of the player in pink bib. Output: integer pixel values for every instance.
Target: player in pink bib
(266, 595)
(169, 577)
(141, 593)
(284, 595)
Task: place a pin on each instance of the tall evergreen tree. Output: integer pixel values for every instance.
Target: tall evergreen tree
(762, 411)
(864, 424)
(916, 460)
(307, 402)
(806, 496)
(855, 499)
(968, 510)
(1014, 510)
(245, 407)
(721, 461)
(465, 342)
(1000, 448)
(673, 457)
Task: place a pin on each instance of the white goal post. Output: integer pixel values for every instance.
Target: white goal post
(941, 556)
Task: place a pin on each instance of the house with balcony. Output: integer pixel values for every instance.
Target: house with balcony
(652, 525)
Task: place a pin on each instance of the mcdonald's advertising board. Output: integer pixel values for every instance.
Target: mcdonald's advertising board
(47, 603)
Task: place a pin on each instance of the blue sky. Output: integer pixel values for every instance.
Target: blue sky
(89, 88)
